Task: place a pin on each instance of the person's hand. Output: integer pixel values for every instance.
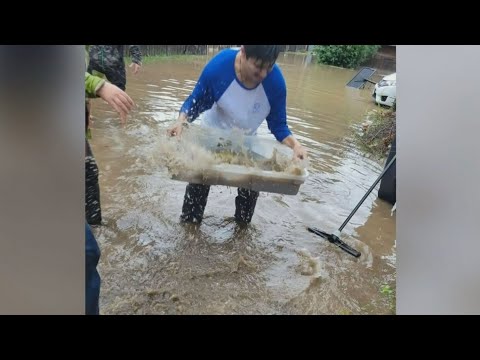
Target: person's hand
(136, 68)
(176, 129)
(117, 98)
(299, 152)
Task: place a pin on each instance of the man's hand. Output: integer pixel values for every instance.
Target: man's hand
(117, 98)
(176, 129)
(136, 67)
(299, 152)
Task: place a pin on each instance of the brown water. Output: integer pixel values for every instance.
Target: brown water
(152, 264)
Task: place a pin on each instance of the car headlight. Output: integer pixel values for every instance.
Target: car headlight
(387, 83)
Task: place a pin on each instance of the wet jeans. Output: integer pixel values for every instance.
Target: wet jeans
(93, 211)
(92, 277)
(195, 200)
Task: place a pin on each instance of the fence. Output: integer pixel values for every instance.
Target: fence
(152, 50)
(385, 61)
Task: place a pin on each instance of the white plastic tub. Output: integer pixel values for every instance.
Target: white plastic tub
(248, 177)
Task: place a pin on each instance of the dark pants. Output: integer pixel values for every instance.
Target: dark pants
(92, 277)
(388, 185)
(114, 74)
(93, 212)
(195, 200)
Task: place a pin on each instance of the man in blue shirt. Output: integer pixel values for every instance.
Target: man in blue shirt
(238, 88)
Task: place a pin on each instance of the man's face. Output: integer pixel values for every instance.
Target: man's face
(257, 71)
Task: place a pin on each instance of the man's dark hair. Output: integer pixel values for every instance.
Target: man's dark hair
(267, 54)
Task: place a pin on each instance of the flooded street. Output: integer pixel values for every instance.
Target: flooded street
(152, 264)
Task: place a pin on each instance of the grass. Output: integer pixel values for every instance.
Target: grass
(299, 52)
(165, 57)
(391, 296)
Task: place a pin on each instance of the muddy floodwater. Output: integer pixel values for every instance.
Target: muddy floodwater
(153, 264)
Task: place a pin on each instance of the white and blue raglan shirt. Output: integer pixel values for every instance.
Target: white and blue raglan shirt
(227, 104)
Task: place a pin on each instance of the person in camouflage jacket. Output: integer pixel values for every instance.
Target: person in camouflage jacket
(108, 61)
(122, 103)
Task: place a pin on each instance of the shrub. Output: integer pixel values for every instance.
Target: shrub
(347, 56)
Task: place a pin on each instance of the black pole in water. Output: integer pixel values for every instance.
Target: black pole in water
(334, 238)
(368, 193)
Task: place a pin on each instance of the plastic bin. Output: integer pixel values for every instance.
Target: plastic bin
(249, 177)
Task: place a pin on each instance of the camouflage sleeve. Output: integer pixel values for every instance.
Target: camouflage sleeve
(92, 84)
(136, 54)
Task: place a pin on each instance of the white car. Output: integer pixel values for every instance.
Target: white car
(385, 91)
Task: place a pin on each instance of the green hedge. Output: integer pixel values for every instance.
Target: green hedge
(347, 56)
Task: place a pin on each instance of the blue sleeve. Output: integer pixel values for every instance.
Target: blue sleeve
(214, 80)
(276, 91)
(201, 98)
